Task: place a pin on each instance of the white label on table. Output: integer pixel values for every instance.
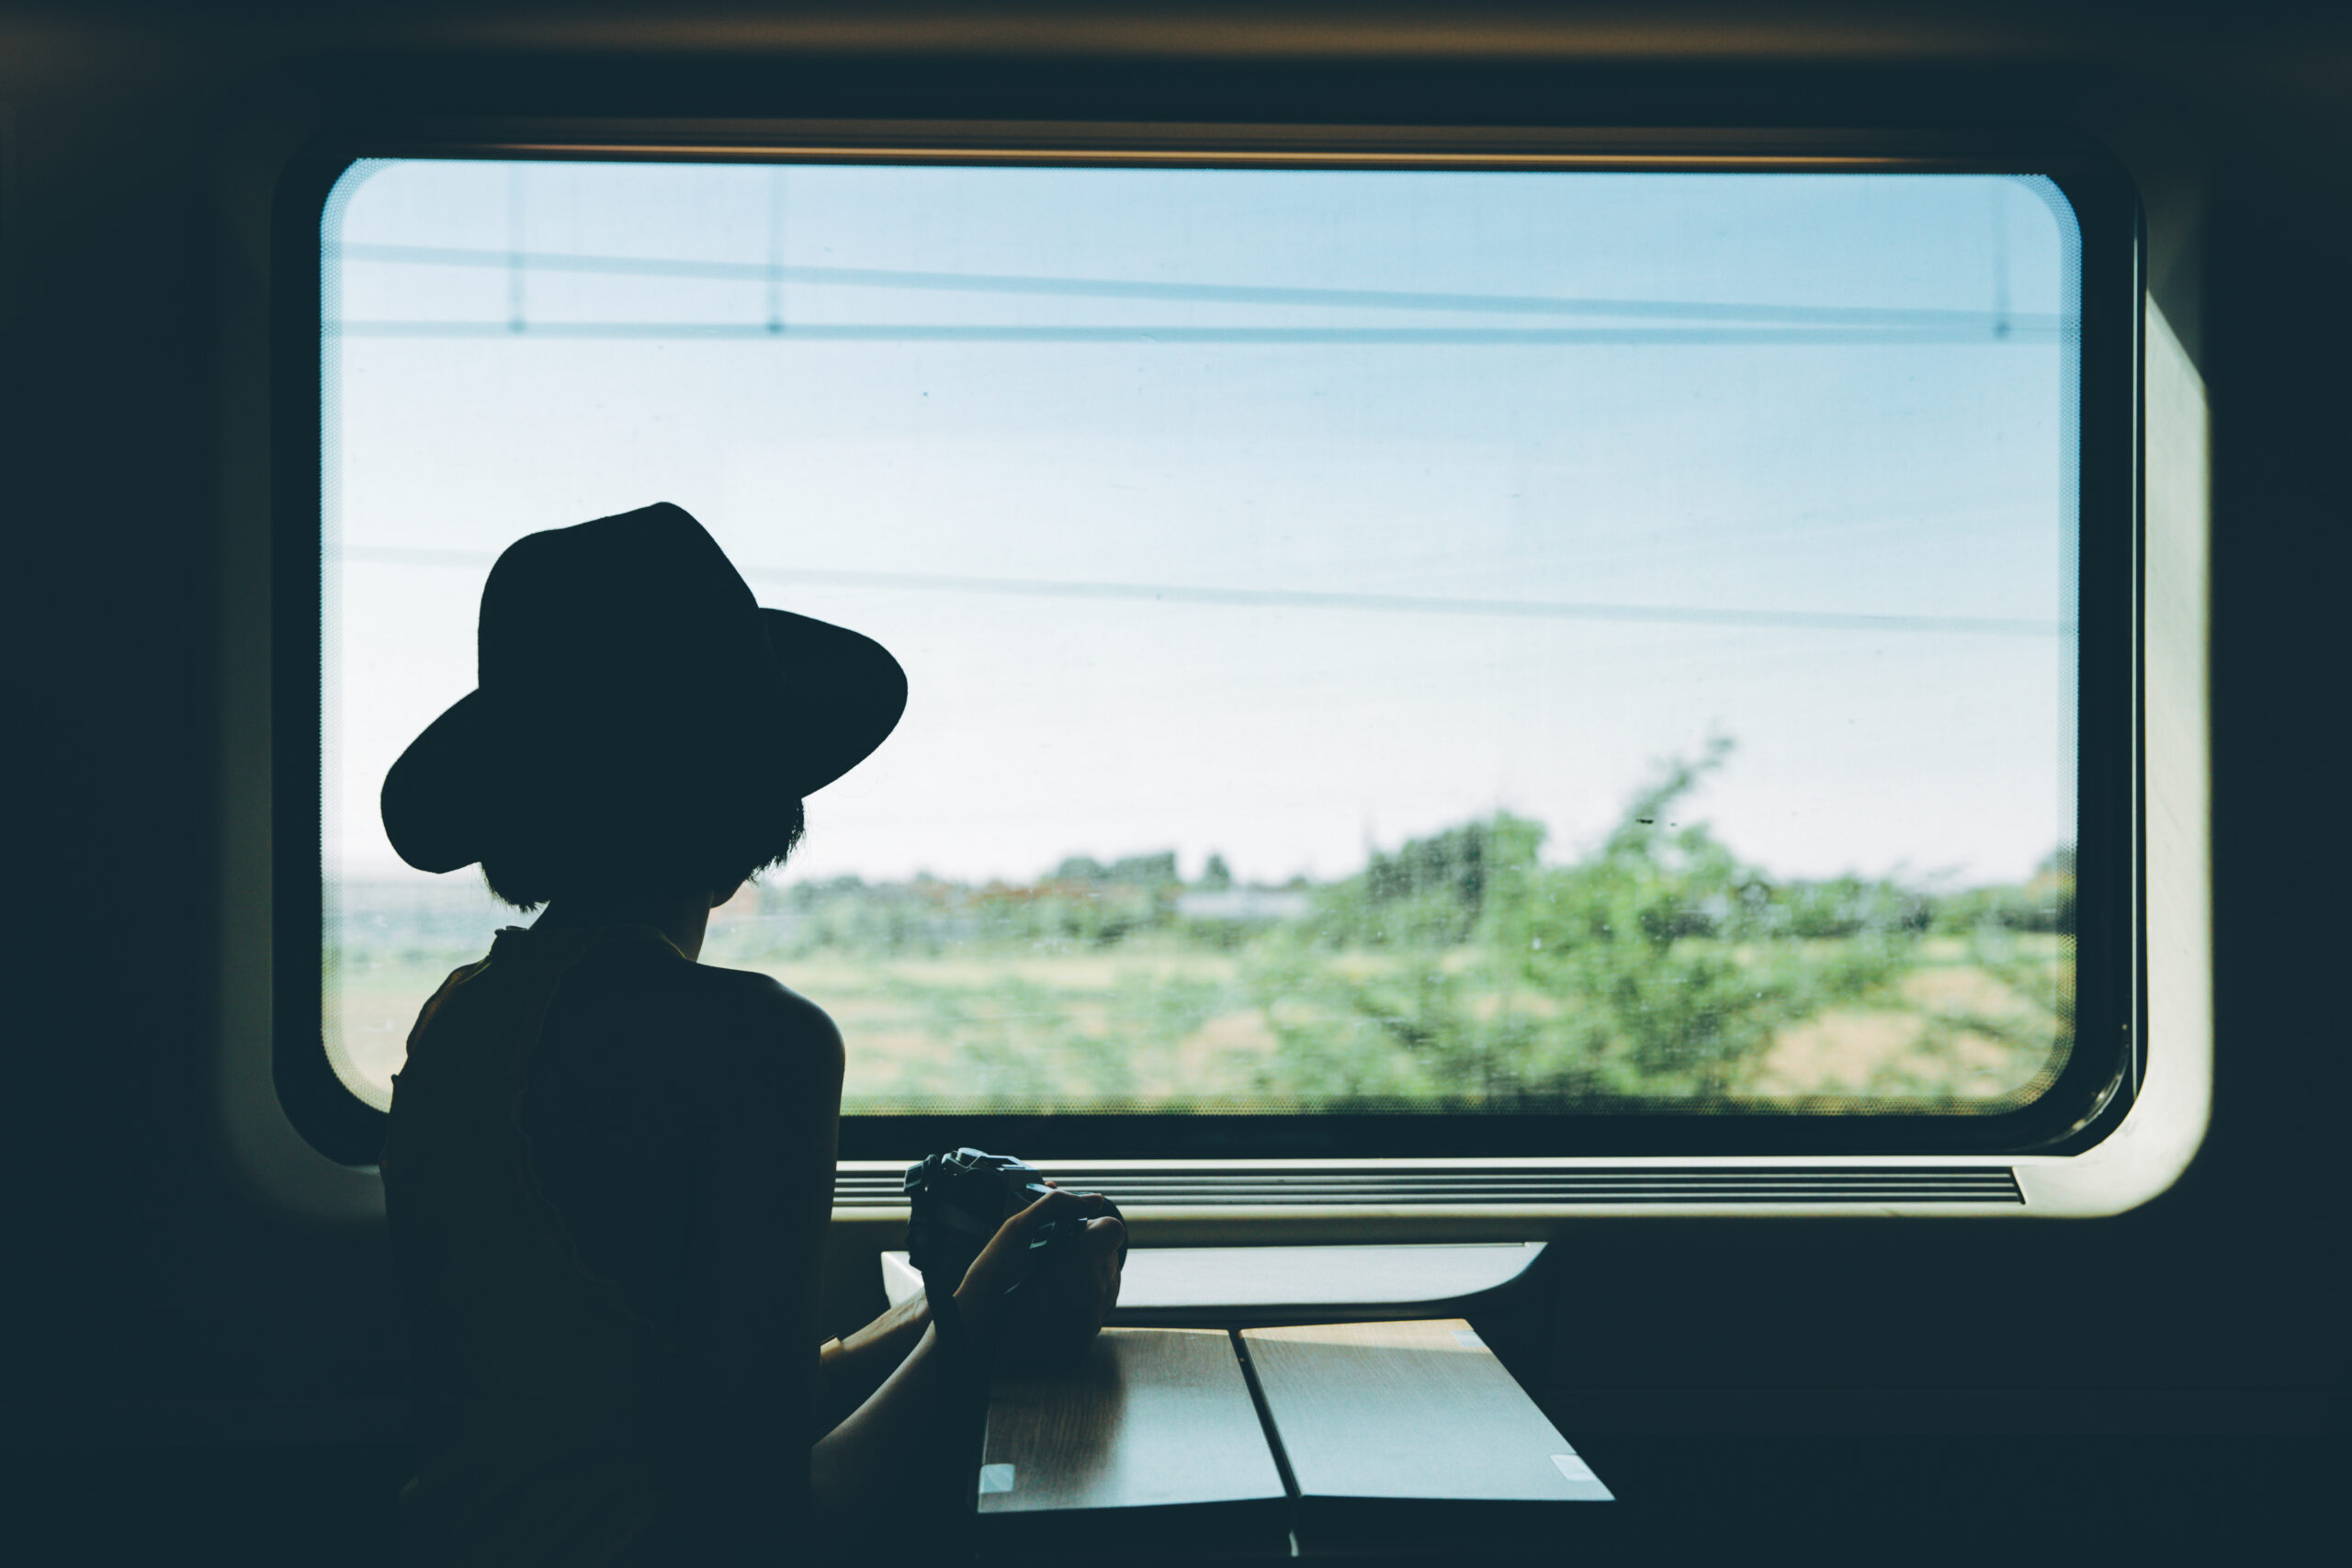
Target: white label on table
(1574, 1467)
(1468, 1339)
(998, 1477)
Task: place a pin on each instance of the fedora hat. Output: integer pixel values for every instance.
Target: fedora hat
(619, 664)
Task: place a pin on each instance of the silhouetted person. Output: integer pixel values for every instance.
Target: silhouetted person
(609, 1167)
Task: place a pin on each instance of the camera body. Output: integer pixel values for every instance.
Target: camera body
(956, 1201)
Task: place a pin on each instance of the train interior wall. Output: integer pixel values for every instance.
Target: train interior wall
(192, 1376)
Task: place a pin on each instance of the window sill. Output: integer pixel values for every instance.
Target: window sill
(1220, 1285)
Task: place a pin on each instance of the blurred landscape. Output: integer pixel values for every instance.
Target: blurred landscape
(1459, 971)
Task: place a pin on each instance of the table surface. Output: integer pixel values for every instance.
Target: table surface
(1419, 1412)
(1357, 1438)
(1150, 1446)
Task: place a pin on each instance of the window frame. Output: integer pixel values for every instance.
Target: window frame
(2088, 1099)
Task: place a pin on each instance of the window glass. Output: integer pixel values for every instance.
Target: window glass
(1379, 640)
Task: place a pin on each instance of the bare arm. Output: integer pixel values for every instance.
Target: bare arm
(764, 1177)
(849, 1369)
(863, 1462)
(767, 1134)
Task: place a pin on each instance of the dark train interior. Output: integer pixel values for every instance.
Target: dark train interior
(2143, 1362)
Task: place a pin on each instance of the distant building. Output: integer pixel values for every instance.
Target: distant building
(1241, 906)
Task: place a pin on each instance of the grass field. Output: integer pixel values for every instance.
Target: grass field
(1151, 1025)
(1461, 972)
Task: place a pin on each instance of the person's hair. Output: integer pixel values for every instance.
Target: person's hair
(550, 853)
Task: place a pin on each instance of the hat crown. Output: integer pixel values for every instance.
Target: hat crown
(627, 611)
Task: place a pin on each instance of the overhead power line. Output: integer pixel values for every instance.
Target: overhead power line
(1982, 323)
(1404, 603)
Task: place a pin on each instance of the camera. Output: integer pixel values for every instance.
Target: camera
(956, 1201)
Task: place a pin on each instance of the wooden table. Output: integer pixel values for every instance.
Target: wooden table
(1330, 1440)
(1150, 1447)
(1411, 1437)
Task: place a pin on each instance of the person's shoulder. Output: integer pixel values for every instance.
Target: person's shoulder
(761, 998)
(440, 998)
(756, 1017)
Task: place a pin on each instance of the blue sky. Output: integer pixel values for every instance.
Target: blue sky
(1442, 440)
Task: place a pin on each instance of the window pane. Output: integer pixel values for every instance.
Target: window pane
(1379, 640)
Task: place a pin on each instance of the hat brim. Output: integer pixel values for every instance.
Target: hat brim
(843, 694)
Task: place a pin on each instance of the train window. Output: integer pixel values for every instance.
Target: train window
(1408, 657)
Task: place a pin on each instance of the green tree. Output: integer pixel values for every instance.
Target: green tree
(1660, 965)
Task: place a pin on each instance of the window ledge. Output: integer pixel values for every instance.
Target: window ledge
(1211, 1285)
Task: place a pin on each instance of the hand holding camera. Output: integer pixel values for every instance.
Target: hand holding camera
(1035, 1269)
